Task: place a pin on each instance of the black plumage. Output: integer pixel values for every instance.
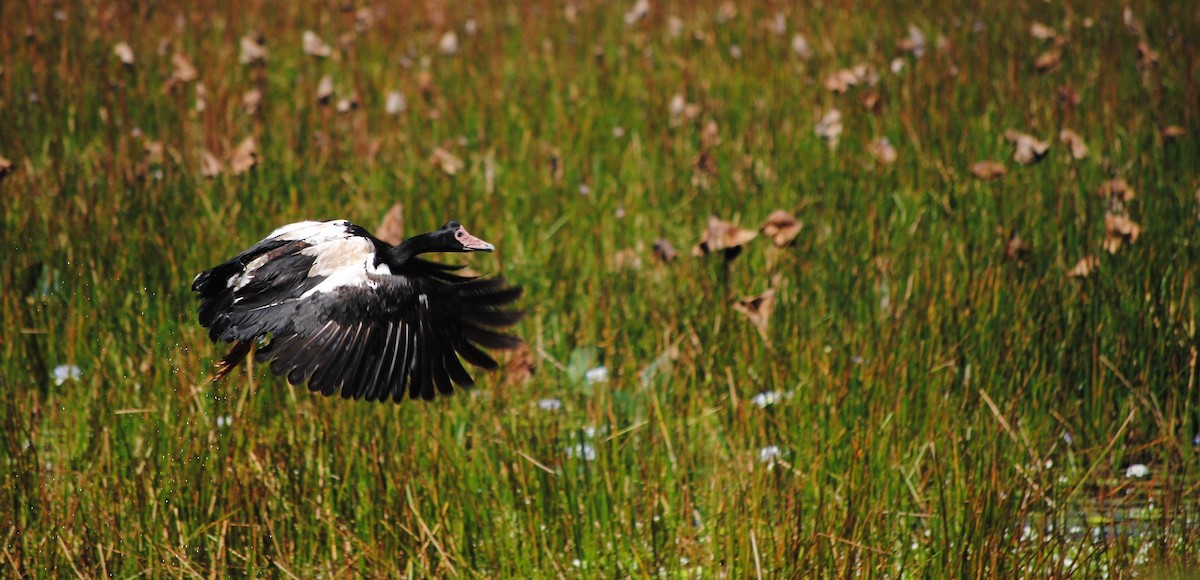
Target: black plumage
(346, 312)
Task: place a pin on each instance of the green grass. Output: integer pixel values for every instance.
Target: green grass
(946, 412)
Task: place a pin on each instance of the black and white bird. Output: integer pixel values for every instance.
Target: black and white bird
(346, 312)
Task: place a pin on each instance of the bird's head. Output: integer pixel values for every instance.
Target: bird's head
(462, 240)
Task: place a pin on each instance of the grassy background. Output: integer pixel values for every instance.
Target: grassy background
(942, 412)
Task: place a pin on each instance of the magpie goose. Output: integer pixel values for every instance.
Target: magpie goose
(334, 307)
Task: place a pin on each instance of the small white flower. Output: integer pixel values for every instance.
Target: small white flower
(583, 451)
(596, 375)
(395, 103)
(549, 404)
(1137, 470)
(64, 373)
(766, 399)
(224, 421)
(770, 454)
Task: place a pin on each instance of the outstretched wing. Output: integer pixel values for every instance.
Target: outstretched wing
(258, 291)
(393, 335)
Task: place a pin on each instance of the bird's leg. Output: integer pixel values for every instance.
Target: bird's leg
(235, 357)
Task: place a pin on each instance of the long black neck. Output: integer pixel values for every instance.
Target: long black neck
(399, 254)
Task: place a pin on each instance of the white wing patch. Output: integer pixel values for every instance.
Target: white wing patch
(348, 261)
(314, 233)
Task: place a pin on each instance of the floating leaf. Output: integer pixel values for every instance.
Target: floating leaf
(988, 170)
(314, 45)
(325, 89)
(829, 127)
(391, 228)
(395, 103)
(1119, 230)
(782, 227)
(1074, 143)
(210, 166)
(1116, 190)
(253, 51)
(124, 53)
(1041, 31)
(244, 157)
(446, 161)
(664, 250)
(722, 235)
(448, 43)
(1084, 267)
(758, 309)
(1048, 61)
(1027, 149)
(883, 151)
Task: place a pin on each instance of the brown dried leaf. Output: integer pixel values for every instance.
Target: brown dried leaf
(1119, 230)
(1016, 250)
(782, 227)
(801, 47)
(183, 69)
(314, 45)
(722, 235)
(883, 151)
(1041, 31)
(124, 53)
(914, 43)
(988, 170)
(325, 89)
(1172, 132)
(872, 101)
(711, 135)
(347, 104)
(520, 365)
(1048, 61)
(829, 127)
(446, 161)
(244, 156)
(253, 51)
(664, 250)
(1147, 57)
(758, 309)
(1116, 190)
(391, 228)
(448, 43)
(1074, 143)
(1027, 149)
(395, 104)
(840, 81)
(6, 166)
(251, 100)
(626, 259)
(1084, 267)
(210, 166)
(154, 152)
